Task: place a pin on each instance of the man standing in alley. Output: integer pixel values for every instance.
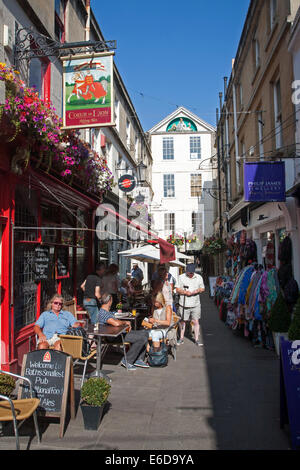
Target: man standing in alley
(93, 289)
(137, 273)
(189, 286)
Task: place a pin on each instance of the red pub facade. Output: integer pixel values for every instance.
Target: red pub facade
(46, 246)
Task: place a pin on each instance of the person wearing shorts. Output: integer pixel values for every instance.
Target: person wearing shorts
(53, 322)
(189, 286)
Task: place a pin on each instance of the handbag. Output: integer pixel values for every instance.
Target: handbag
(158, 358)
(147, 325)
(79, 331)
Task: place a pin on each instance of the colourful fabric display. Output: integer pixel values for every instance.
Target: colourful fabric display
(253, 296)
(248, 271)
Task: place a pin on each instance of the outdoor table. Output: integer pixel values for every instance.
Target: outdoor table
(127, 316)
(103, 331)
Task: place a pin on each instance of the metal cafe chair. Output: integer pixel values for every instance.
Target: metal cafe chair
(19, 410)
(73, 345)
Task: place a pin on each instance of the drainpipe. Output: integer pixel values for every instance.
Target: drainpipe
(227, 161)
(236, 143)
(219, 176)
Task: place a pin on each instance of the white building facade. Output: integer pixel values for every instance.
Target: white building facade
(182, 145)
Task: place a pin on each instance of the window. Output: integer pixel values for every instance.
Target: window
(169, 222)
(136, 147)
(273, 11)
(197, 224)
(169, 186)
(168, 148)
(260, 125)
(128, 132)
(278, 115)
(241, 95)
(117, 113)
(40, 77)
(196, 185)
(25, 287)
(238, 167)
(26, 214)
(60, 6)
(195, 147)
(256, 53)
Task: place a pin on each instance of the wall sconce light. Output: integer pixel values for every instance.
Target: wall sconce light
(141, 172)
(262, 217)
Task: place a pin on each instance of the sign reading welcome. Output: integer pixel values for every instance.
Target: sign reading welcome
(264, 181)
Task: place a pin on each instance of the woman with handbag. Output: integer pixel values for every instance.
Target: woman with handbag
(159, 322)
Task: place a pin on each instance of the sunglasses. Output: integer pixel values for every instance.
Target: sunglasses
(57, 303)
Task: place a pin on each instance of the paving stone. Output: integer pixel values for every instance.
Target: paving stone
(223, 395)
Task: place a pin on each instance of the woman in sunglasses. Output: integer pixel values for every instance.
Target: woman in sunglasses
(53, 322)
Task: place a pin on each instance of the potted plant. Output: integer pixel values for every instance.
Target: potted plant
(294, 329)
(279, 320)
(119, 307)
(7, 385)
(94, 394)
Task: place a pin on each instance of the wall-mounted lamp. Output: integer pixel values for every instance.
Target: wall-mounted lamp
(262, 217)
(141, 172)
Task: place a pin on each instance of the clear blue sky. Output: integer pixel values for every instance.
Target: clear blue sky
(173, 53)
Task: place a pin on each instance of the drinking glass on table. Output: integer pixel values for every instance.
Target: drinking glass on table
(133, 312)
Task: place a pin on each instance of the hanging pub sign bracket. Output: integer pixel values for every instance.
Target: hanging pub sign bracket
(30, 44)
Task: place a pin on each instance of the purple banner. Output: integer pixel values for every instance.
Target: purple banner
(264, 181)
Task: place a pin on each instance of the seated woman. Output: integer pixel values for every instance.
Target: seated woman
(150, 298)
(161, 319)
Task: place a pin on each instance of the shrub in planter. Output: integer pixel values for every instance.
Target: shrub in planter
(7, 384)
(294, 329)
(280, 317)
(94, 394)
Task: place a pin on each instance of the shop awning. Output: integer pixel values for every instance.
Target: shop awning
(149, 254)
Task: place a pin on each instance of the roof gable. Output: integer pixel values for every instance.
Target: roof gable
(181, 120)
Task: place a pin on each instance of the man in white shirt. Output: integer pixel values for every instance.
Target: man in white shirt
(189, 286)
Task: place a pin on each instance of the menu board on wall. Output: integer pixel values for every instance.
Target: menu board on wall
(41, 262)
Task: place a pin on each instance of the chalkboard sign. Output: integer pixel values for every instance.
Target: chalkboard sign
(62, 261)
(41, 262)
(51, 373)
(290, 388)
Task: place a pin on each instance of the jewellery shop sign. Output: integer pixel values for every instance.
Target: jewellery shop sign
(264, 182)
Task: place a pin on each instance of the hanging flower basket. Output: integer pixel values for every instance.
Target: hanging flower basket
(177, 240)
(25, 116)
(213, 246)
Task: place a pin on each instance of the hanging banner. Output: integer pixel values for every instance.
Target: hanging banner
(88, 91)
(264, 181)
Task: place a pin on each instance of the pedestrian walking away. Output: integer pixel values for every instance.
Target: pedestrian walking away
(92, 287)
(189, 287)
